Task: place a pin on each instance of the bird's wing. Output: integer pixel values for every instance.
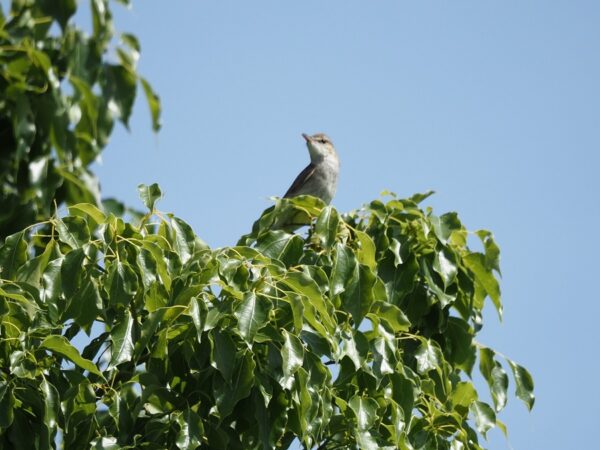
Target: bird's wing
(300, 180)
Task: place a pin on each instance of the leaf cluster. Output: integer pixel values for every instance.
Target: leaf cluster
(60, 96)
(359, 333)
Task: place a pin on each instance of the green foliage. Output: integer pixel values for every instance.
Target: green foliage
(359, 333)
(60, 96)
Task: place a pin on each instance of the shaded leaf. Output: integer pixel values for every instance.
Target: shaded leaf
(13, 254)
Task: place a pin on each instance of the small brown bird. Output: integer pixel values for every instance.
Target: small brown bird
(320, 177)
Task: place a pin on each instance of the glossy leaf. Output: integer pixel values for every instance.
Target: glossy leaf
(485, 419)
(122, 341)
(524, 383)
(13, 253)
(61, 346)
(428, 356)
(253, 346)
(149, 195)
(252, 315)
(292, 355)
(476, 263)
(326, 227)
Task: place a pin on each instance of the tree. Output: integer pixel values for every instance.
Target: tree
(60, 98)
(357, 332)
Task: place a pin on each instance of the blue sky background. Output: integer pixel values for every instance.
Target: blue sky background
(495, 105)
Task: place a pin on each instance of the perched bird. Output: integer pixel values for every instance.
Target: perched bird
(320, 177)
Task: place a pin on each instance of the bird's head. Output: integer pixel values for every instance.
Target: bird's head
(320, 147)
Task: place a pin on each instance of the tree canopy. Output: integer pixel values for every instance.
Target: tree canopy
(356, 331)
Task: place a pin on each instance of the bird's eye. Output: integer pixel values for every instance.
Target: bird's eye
(322, 141)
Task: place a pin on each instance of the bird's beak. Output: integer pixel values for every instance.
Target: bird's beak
(306, 137)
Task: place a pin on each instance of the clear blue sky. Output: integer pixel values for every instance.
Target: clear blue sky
(495, 105)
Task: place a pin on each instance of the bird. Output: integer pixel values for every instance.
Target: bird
(320, 177)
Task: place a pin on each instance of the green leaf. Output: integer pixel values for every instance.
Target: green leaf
(90, 211)
(198, 311)
(403, 392)
(303, 284)
(31, 272)
(227, 395)
(395, 249)
(463, 395)
(475, 262)
(147, 268)
(418, 198)
(461, 348)
(391, 315)
(153, 104)
(492, 252)
(495, 376)
(88, 101)
(13, 254)
(121, 337)
(278, 244)
(7, 404)
(359, 296)
(292, 355)
(445, 225)
(191, 430)
(51, 400)
(224, 354)
(123, 283)
(73, 231)
(252, 315)
(326, 227)
(185, 239)
(60, 10)
(71, 272)
(445, 268)
(61, 346)
(365, 410)
(120, 85)
(366, 250)
(356, 347)
(149, 195)
(484, 415)
(428, 356)
(23, 365)
(524, 383)
(85, 304)
(344, 267)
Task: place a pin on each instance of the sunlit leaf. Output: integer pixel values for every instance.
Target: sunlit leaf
(524, 383)
(484, 415)
(251, 314)
(326, 227)
(61, 346)
(428, 356)
(122, 341)
(149, 195)
(292, 355)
